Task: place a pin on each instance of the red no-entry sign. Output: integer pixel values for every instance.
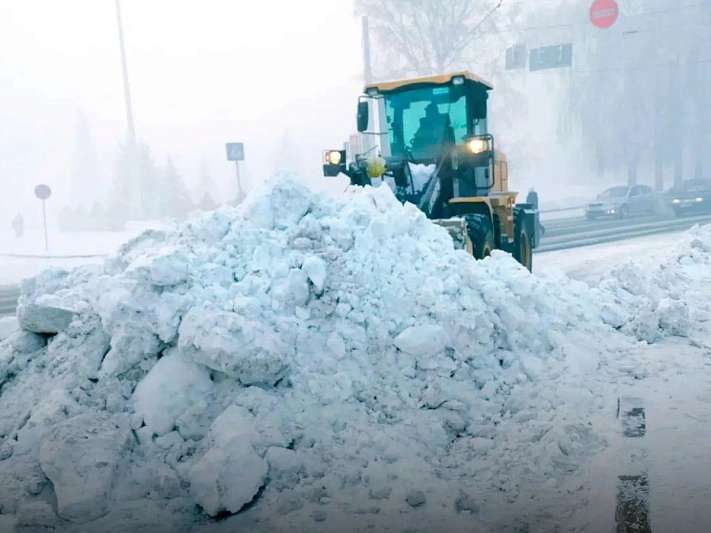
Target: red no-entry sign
(604, 13)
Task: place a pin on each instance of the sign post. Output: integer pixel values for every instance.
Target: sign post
(604, 13)
(235, 152)
(43, 192)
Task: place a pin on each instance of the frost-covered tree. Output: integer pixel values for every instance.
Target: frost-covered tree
(137, 187)
(175, 199)
(86, 182)
(640, 97)
(424, 37)
(207, 203)
(206, 183)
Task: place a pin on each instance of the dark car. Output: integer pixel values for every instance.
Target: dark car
(691, 196)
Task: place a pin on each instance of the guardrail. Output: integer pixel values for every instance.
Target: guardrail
(9, 295)
(45, 256)
(561, 209)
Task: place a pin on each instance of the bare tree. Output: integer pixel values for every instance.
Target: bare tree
(424, 36)
(642, 97)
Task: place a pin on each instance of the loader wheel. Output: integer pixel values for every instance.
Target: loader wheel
(523, 251)
(481, 233)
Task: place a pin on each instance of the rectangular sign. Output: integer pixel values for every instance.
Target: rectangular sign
(549, 57)
(516, 57)
(235, 151)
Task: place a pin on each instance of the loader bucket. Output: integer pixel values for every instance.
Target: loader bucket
(457, 229)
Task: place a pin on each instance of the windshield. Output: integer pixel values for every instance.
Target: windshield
(614, 192)
(424, 120)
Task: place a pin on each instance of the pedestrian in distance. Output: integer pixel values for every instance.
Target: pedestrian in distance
(18, 224)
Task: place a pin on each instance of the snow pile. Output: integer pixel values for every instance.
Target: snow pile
(323, 360)
(651, 301)
(421, 175)
(8, 325)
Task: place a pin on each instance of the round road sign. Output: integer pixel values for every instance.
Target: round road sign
(43, 192)
(604, 13)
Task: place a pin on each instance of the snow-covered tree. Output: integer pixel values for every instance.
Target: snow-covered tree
(175, 198)
(206, 183)
(86, 184)
(640, 97)
(424, 37)
(137, 187)
(207, 203)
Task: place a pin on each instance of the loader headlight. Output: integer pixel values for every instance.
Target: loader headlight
(477, 146)
(333, 157)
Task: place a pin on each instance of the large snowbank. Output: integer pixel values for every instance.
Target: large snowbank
(651, 300)
(305, 361)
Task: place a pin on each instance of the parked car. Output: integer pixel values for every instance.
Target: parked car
(622, 201)
(691, 196)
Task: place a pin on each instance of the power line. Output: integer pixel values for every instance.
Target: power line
(589, 38)
(514, 29)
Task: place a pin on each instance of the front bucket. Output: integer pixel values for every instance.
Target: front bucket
(457, 228)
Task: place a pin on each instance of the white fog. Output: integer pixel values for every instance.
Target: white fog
(284, 79)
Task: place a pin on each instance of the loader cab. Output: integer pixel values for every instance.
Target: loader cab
(422, 119)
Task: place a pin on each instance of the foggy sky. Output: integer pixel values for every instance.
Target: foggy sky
(201, 74)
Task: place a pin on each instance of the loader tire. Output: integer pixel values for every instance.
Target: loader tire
(481, 233)
(523, 249)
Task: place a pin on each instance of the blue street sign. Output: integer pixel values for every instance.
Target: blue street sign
(235, 151)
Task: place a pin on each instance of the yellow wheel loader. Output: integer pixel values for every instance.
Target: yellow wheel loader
(436, 152)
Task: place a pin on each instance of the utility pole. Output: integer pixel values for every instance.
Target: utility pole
(367, 66)
(134, 177)
(126, 86)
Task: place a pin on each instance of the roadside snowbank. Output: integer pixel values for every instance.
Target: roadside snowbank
(652, 299)
(322, 360)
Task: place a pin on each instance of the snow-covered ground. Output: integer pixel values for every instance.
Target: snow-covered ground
(27, 256)
(591, 263)
(320, 364)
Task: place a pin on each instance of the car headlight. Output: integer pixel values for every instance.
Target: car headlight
(477, 146)
(333, 157)
(676, 201)
(699, 199)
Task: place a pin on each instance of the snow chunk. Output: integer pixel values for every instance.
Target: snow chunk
(231, 473)
(238, 346)
(43, 318)
(173, 386)
(81, 457)
(163, 267)
(8, 325)
(422, 341)
(316, 269)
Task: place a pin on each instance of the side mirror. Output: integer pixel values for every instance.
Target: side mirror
(363, 118)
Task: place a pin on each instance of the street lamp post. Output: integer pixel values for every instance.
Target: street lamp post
(135, 195)
(126, 86)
